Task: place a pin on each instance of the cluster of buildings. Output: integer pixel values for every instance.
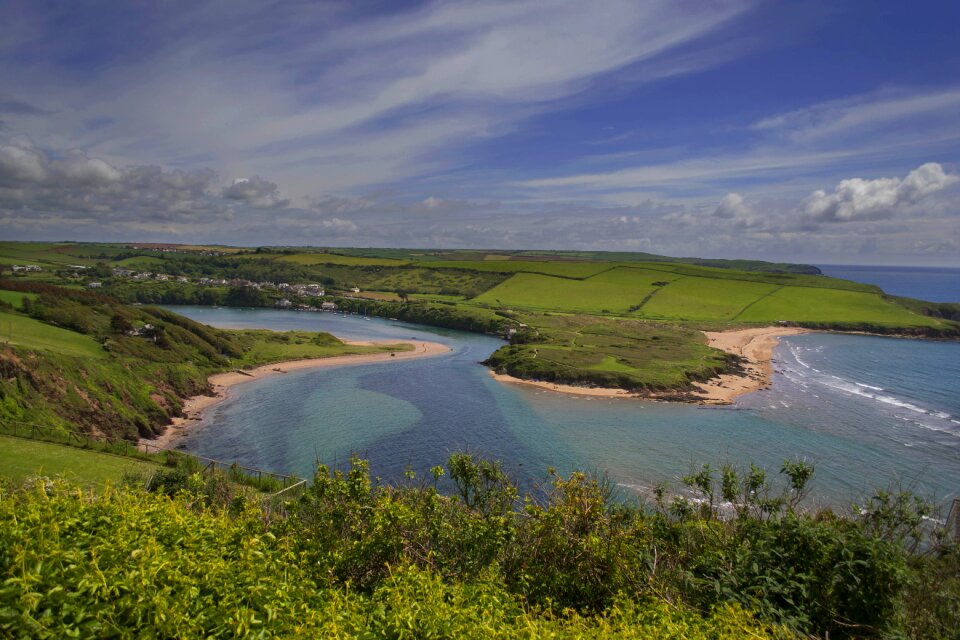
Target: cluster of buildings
(25, 268)
(283, 303)
(120, 272)
(173, 248)
(308, 290)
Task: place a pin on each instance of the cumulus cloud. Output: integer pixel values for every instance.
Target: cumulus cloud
(72, 185)
(860, 199)
(256, 192)
(734, 208)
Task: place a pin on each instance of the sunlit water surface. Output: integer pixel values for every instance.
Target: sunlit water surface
(867, 412)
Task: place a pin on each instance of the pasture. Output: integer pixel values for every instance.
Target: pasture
(26, 332)
(16, 298)
(21, 458)
(801, 304)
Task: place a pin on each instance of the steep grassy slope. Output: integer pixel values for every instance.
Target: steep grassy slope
(20, 458)
(28, 333)
(82, 362)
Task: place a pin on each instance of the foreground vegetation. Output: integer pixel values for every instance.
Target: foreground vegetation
(463, 555)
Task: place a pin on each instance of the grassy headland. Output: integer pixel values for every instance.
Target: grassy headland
(632, 321)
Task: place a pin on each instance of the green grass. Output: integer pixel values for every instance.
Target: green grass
(15, 297)
(333, 258)
(558, 268)
(262, 347)
(613, 291)
(613, 352)
(825, 305)
(709, 299)
(33, 334)
(20, 458)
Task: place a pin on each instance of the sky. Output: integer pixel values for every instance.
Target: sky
(815, 131)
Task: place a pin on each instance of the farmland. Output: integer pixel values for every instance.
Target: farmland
(648, 309)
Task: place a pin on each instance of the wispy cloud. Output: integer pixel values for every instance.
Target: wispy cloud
(351, 100)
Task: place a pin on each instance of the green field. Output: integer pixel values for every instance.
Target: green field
(15, 297)
(333, 258)
(691, 298)
(613, 291)
(20, 458)
(490, 291)
(565, 269)
(800, 304)
(33, 334)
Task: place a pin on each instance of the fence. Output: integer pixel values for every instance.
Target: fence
(264, 480)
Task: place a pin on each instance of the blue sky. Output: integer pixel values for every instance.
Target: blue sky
(808, 131)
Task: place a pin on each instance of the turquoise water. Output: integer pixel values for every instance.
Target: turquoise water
(867, 412)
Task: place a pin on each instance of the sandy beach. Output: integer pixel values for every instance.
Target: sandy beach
(755, 346)
(599, 392)
(221, 383)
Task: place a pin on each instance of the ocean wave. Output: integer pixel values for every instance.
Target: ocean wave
(806, 373)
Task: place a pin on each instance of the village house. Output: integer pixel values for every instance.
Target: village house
(94, 285)
(283, 303)
(328, 306)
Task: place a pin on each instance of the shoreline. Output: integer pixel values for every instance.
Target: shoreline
(221, 383)
(754, 346)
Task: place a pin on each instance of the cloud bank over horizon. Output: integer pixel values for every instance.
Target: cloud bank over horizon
(655, 126)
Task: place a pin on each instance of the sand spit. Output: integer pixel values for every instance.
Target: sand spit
(221, 383)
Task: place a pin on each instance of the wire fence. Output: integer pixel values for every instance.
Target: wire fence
(259, 478)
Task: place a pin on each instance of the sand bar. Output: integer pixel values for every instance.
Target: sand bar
(598, 392)
(754, 346)
(221, 383)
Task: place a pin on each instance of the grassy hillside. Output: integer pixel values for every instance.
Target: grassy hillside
(20, 458)
(82, 362)
(22, 331)
(483, 290)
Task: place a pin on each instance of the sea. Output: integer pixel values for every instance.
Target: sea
(869, 413)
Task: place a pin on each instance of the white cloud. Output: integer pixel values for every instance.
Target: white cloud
(20, 163)
(848, 115)
(256, 192)
(860, 199)
(338, 103)
(70, 185)
(734, 208)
